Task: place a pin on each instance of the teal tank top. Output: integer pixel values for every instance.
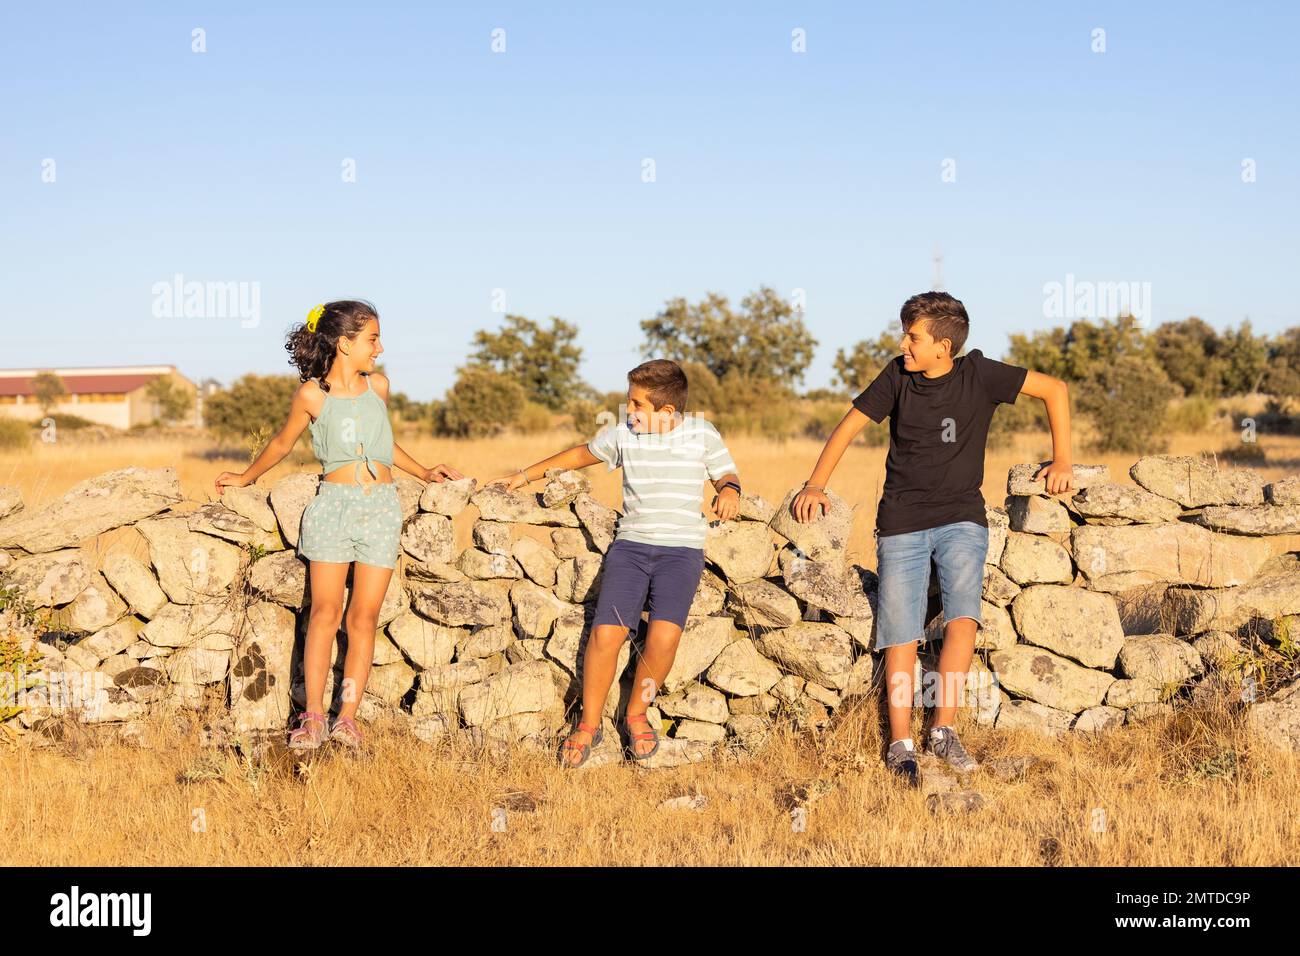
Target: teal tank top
(353, 428)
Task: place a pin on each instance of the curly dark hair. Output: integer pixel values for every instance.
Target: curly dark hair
(312, 353)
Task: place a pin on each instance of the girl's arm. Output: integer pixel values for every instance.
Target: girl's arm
(439, 473)
(579, 456)
(806, 504)
(279, 446)
(409, 465)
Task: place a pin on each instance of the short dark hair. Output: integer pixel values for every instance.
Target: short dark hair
(664, 380)
(945, 317)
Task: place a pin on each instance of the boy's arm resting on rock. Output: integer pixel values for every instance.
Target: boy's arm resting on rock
(812, 502)
(579, 456)
(1058, 474)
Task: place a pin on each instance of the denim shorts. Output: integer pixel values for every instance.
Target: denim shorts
(633, 571)
(903, 566)
(346, 523)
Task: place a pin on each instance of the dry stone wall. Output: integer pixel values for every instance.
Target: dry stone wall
(1099, 608)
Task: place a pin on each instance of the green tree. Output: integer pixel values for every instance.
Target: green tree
(1127, 400)
(48, 388)
(765, 341)
(1245, 358)
(1282, 376)
(1190, 353)
(543, 360)
(1078, 353)
(253, 405)
(1043, 351)
(170, 400)
(481, 402)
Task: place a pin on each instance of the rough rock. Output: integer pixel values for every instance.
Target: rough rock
(132, 579)
(1119, 558)
(742, 671)
(92, 507)
(428, 538)
(1037, 514)
(1049, 679)
(815, 651)
(1078, 624)
(496, 504)
(1034, 559)
(289, 498)
(192, 567)
(1020, 480)
(447, 498)
(741, 550)
(826, 537)
(1128, 504)
(1159, 659)
(1195, 482)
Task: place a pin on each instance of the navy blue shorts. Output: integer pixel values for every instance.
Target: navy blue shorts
(668, 576)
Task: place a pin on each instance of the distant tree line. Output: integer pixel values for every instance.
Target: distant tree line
(746, 367)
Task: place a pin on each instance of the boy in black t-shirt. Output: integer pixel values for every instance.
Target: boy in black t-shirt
(939, 409)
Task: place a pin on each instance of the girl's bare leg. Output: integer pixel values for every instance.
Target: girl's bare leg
(369, 584)
(327, 580)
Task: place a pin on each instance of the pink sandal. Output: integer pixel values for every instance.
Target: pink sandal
(310, 732)
(347, 732)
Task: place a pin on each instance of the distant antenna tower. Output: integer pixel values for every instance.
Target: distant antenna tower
(938, 268)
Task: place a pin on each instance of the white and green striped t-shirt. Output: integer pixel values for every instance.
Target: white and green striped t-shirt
(663, 479)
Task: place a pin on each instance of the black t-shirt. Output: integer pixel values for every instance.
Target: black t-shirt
(937, 431)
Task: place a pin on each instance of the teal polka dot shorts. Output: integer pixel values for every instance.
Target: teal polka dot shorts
(346, 523)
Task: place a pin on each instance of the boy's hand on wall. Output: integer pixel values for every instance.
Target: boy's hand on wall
(727, 504)
(1058, 476)
(509, 482)
(809, 505)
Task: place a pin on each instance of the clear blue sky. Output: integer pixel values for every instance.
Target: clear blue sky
(522, 170)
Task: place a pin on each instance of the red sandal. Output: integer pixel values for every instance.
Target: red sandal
(597, 735)
(633, 738)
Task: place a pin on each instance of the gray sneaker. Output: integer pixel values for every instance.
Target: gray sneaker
(945, 745)
(900, 760)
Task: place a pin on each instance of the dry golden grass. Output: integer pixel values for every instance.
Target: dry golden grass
(1133, 797)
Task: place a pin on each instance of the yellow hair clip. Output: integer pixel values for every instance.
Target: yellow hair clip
(314, 316)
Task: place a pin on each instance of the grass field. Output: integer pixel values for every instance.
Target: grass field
(1196, 788)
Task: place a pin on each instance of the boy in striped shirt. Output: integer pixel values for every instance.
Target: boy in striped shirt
(658, 552)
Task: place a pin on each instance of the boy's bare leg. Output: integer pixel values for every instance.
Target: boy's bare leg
(954, 662)
(598, 665)
(656, 661)
(900, 666)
